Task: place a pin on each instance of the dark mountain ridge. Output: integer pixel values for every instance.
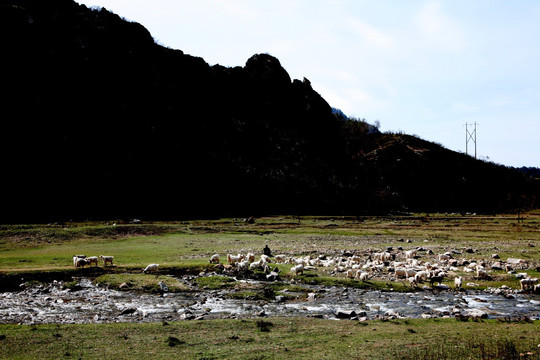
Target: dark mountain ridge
(100, 121)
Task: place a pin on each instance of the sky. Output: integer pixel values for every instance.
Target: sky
(420, 67)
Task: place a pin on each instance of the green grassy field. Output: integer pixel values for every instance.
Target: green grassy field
(281, 338)
(187, 246)
(47, 247)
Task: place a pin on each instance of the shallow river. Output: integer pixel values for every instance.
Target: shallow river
(91, 304)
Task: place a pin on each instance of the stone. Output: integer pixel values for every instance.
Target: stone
(345, 314)
(128, 311)
(477, 313)
(163, 287)
(442, 287)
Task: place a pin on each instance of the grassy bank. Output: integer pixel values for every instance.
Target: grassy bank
(275, 339)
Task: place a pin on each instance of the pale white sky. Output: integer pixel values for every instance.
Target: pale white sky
(418, 66)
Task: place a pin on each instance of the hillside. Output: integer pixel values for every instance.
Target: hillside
(100, 121)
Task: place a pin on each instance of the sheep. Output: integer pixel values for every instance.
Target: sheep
(214, 259)
(107, 260)
(257, 264)
(233, 259)
(400, 272)
(350, 273)
(410, 254)
(75, 257)
(280, 258)
(528, 283)
(384, 256)
(362, 275)
(482, 274)
(250, 257)
(243, 265)
(298, 269)
(151, 268)
(458, 282)
(266, 258)
(410, 272)
(81, 262)
(92, 260)
(444, 257)
(412, 281)
(421, 276)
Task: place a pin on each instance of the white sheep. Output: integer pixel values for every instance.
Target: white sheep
(266, 258)
(458, 282)
(421, 276)
(280, 258)
(214, 259)
(250, 257)
(351, 273)
(400, 272)
(362, 275)
(412, 281)
(444, 257)
(257, 264)
(75, 257)
(298, 269)
(482, 274)
(528, 283)
(233, 259)
(81, 262)
(151, 268)
(92, 260)
(410, 254)
(243, 265)
(107, 260)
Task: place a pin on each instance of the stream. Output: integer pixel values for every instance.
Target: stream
(52, 303)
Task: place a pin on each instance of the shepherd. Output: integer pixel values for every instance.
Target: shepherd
(266, 251)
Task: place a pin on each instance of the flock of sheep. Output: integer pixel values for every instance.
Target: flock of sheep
(80, 261)
(401, 265)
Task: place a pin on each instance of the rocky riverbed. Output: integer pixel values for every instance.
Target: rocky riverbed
(87, 303)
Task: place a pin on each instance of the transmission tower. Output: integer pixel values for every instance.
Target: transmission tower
(470, 135)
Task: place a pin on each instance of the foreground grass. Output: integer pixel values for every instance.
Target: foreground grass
(275, 339)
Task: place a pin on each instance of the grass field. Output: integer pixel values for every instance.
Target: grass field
(281, 338)
(185, 245)
(49, 247)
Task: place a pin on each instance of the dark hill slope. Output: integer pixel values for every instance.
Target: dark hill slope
(99, 121)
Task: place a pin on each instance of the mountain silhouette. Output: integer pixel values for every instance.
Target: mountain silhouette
(101, 122)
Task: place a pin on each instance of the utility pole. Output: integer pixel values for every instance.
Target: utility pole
(470, 135)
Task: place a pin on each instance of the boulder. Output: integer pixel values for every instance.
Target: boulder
(477, 314)
(128, 311)
(345, 314)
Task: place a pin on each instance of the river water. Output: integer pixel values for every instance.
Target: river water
(53, 304)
